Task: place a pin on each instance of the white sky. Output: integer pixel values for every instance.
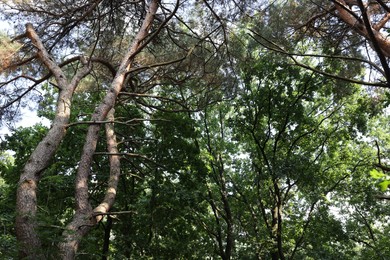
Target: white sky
(29, 117)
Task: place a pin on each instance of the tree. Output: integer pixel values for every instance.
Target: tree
(84, 28)
(347, 35)
(84, 217)
(289, 146)
(183, 90)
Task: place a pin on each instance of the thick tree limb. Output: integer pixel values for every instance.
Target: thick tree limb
(375, 42)
(345, 14)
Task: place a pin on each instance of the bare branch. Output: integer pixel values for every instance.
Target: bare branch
(383, 197)
(379, 25)
(274, 47)
(98, 213)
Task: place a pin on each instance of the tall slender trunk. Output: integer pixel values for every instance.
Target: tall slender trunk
(276, 226)
(85, 217)
(106, 242)
(26, 197)
(228, 216)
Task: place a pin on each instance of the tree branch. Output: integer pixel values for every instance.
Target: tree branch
(279, 49)
(45, 57)
(373, 39)
(114, 159)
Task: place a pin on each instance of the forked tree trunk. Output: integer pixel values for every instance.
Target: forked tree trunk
(26, 199)
(85, 217)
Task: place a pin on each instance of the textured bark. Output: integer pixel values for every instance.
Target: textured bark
(26, 201)
(114, 158)
(364, 24)
(346, 14)
(85, 218)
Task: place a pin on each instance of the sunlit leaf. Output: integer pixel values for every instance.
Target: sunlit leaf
(384, 184)
(377, 174)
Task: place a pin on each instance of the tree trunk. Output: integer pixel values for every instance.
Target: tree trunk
(26, 198)
(85, 218)
(106, 242)
(276, 228)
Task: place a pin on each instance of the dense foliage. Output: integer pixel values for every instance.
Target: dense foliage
(238, 131)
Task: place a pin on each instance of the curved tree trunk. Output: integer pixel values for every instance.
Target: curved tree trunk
(26, 200)
(85, 217)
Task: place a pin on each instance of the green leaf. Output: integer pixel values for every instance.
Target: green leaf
(384, 184)
(376, 174)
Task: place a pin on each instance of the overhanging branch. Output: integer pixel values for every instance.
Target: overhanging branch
(276, 48)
